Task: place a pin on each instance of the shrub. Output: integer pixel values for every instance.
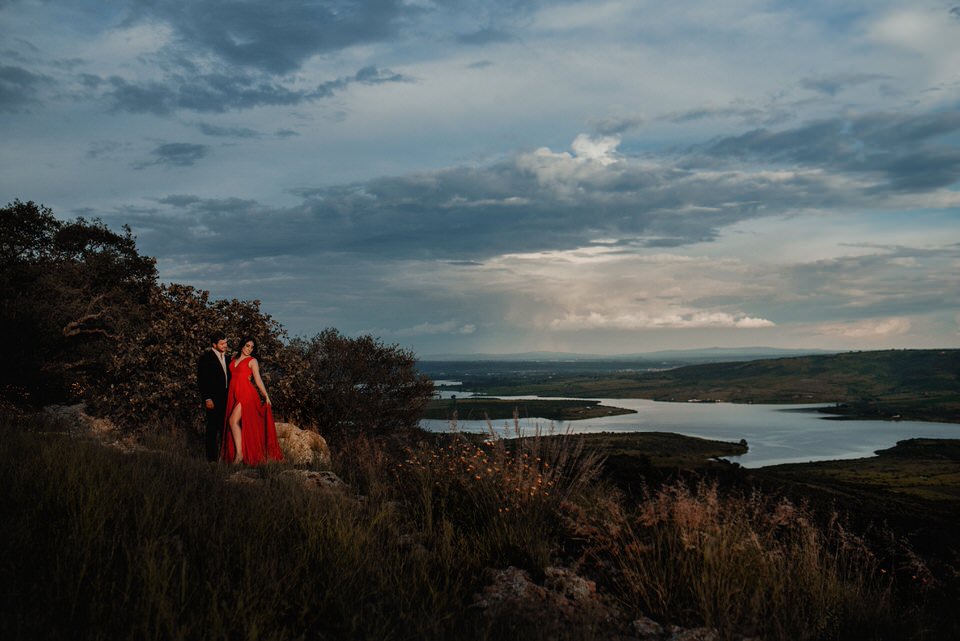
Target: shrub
(504, 495)
(151, 380)
(351, 385)
(746, 563)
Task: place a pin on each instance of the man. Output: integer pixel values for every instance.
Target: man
(213, 377)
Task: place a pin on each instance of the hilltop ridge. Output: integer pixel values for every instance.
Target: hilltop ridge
(915, 384)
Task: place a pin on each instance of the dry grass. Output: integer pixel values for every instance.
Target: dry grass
(159, 545)
(746, 563)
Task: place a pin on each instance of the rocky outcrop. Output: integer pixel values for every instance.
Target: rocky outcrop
(75, 417)
(312, 480)
(563, 600)
(324, 480)
(302, 447)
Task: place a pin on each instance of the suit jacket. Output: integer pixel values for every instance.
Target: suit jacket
(211, 380)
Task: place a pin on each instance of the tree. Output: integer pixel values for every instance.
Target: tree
(343, 384)
(153, 381)
(68, 291)
(85, 319)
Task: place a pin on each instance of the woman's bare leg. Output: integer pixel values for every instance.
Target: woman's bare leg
(235, 430)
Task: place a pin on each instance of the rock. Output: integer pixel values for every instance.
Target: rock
(508, 587)
(302, 447)
(569, 584)
(245, 476)
(313, 480)
(694, 634)
(647, 629)
(564, 600)
(76, 417)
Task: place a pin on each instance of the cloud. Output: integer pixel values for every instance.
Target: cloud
(484, 36)
(220, 131)
(868, 329)
(104, 148)
(429, 329)
(637, 321)
(906, 153)
(555, 200)
(276, 37)
(176, 154)
(833, 84)
(602, 150)
(19, 87)
(615, 125)
(230, 90)
(751, 114)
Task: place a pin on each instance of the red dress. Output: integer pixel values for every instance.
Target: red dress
(258, 434)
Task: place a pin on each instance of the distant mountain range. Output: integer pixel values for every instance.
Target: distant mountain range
(704, 355)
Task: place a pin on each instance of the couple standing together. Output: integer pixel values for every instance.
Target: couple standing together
(239, 423)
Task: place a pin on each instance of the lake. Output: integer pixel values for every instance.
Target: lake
(775, 433)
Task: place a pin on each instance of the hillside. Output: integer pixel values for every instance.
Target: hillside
(917, 384)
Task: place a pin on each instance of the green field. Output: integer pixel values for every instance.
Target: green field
(909, 384)
(497, 409)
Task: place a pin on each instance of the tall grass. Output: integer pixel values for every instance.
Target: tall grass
(746, 563)
(151, 545)
(99, 544)
(104, 545)
(503, 496)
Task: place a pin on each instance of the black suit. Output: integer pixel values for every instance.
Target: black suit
(212, 382)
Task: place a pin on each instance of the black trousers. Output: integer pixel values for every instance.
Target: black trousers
(214, 419)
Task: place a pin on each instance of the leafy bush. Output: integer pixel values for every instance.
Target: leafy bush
(350, 385)
(152, 379)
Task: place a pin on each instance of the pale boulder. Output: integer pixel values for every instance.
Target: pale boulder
(302, 447)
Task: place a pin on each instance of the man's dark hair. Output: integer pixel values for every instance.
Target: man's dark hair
(216, 337)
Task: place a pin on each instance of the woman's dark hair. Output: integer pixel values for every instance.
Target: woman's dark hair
(244, 341)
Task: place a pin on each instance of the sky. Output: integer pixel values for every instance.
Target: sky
(458, 176)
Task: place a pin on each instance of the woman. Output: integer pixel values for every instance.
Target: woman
(249, 434)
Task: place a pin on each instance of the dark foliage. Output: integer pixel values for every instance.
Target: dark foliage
(68, 292)
(154, 380)
(86, 320)
(344, 384)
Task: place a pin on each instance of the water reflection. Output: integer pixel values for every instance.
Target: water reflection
(775, 433)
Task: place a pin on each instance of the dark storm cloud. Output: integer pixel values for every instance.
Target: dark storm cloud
(19, 87)
(530, 203)
(906, 151)
(276, 37)
(175, 154)
(544, 200)
(212, 93)
(229, 91)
